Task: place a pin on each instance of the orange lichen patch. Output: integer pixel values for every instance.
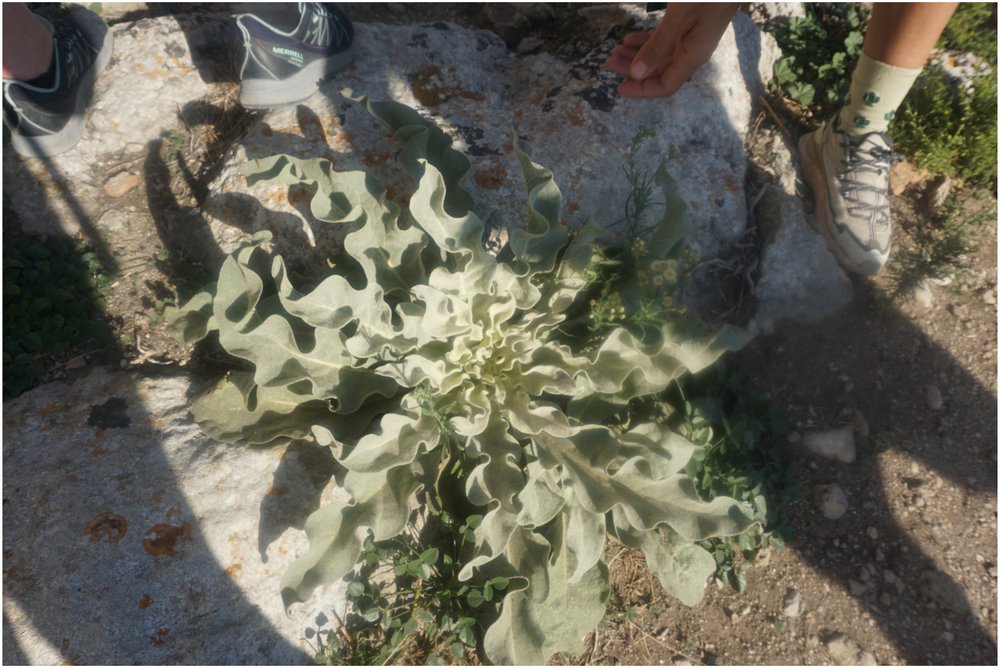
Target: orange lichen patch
(99, 433)
(48, 410)
(157, 496)
(72, 477)
(312, 125)
(490, 179)
(173, 511)
(277, 491)
(158, 423)
(106, 525)
(97, 452)
(299, 196)
(7, 554)
(373, 158)
(233, 569)
(732, 186)
(65, 644)
(266, 131)
(145, 601)
(431, 89)
(572, 207)
(163, 538)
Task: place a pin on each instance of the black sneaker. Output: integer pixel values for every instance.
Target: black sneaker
(281, 67)
(49, 121)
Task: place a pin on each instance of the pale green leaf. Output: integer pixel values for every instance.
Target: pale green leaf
(552, 615)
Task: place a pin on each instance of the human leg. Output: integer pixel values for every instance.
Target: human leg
(46, 112)
(27, 43)
(847, 162)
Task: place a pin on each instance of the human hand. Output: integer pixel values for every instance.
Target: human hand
(657, 63)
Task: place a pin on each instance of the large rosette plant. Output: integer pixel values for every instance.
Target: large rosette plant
(422, 358)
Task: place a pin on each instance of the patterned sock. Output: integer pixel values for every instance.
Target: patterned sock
(877, 90)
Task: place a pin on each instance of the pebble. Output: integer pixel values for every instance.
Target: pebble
(872, 533)
(794, 437)
(120, 184)
(529, 44)
(793, 605)
(932, 395)
(992, 570)
(857, 588)
(831, 501)
(842, 650)
(888, 576)
(866, 658)
(885, 599)
(948, 636)
(836, 444)
(924, 295)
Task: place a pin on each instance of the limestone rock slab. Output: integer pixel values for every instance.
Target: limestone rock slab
(130, 537)
(472, 87)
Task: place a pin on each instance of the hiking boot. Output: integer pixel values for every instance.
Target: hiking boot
(48, 121)
(282, 67)
(849, 178)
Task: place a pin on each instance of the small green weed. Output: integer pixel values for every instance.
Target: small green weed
(820, 50)
(944, 128)
(51, 303)
(407, 605)
(939, 247)
(739, 459)
(950, 131)
(973, 29)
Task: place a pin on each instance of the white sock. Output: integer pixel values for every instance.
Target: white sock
(877, 90)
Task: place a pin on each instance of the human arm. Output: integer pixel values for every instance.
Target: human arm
(657, 63)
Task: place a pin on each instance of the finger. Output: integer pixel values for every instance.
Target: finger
(637, 39)
(671, 79)
(619, 60)
(644, 88)
(618, 65)
(656, 49)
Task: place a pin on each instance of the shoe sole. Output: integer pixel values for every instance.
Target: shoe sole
(47, 146)
(816, 179)
(271, 94)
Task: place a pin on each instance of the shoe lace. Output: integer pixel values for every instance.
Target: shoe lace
(863, 157)
(76, 52)
(323, 24)
(319, 26)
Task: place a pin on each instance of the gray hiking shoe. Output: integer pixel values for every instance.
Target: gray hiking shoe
(849, 178)
(283, 64)
(49, 120)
